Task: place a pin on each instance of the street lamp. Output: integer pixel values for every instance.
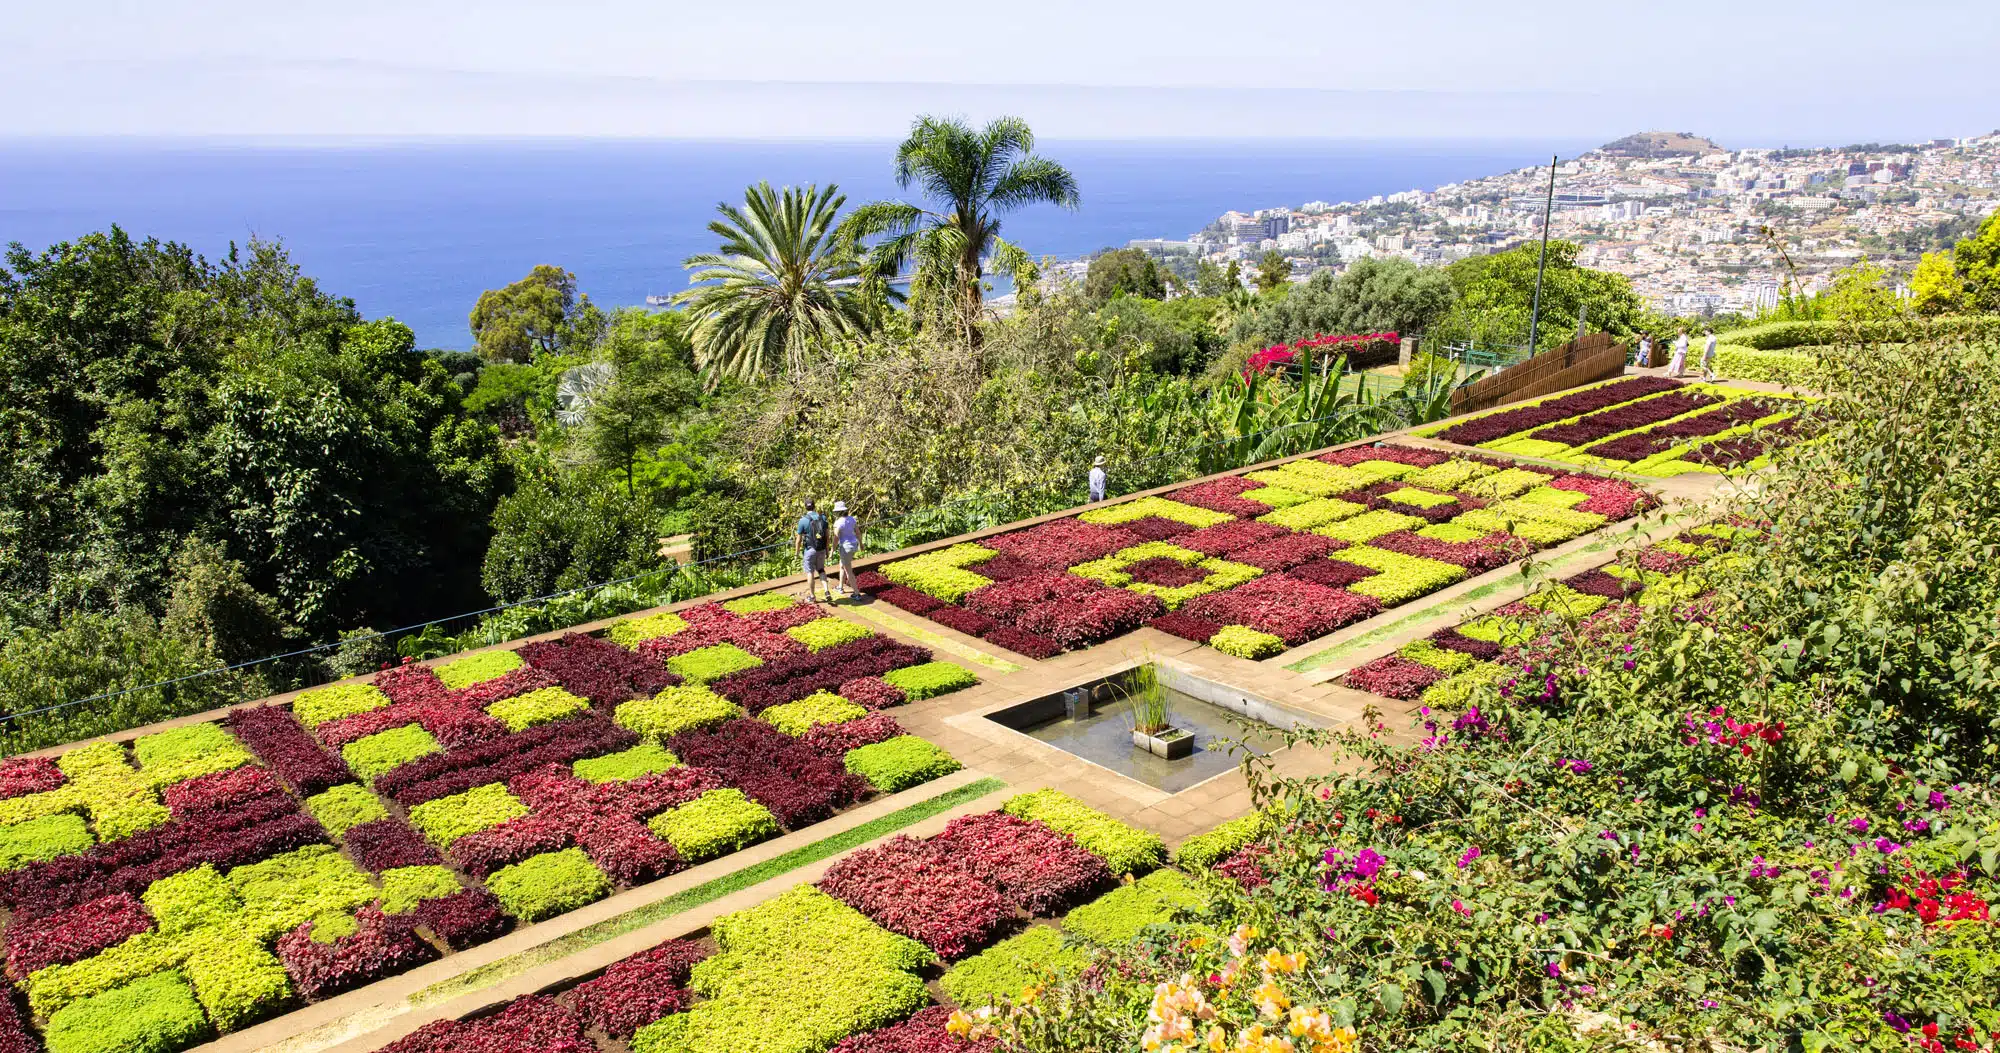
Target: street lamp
(1535, 310)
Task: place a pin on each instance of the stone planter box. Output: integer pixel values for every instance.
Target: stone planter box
(1171, 744)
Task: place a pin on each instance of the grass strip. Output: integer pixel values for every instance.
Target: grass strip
(943, 643)
(706, 892)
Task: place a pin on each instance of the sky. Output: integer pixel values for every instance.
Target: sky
(1771, 73)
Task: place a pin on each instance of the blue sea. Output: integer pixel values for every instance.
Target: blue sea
(415, 230)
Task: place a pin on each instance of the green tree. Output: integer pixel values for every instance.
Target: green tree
(1496, 294)
(772, 295)
(1935, 287)
(1273, 271)
(1128, 271)
(561, 530)
(1209, 279)
(1978, 262)
(971, 177)
(1371, 296)
(652, 381)
(539, 315)
(1861, 292)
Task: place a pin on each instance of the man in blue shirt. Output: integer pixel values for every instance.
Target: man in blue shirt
(809, 541)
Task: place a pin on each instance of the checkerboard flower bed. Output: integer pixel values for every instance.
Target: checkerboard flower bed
(924, 891)
(1268, 550)
(1488, 427)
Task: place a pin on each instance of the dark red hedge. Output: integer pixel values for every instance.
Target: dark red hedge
(598, 669)
(384, 946)
(74, 934)
(1039, 869)
(280, 741)
(638, 990)
(923, 1033)
(924, 891)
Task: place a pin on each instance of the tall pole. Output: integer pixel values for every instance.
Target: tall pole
(1535, 311)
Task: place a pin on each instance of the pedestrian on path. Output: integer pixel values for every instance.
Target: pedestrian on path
(1644, 356)
(1098, 480)
(847, 542)
(809, 541)
(1678, 364)
(1708, 358)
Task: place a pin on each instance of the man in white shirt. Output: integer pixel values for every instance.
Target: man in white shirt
(1097, 479)
(847, 542)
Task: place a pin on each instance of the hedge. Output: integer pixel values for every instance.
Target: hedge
(1245, 642)
(236, 980)
(632, 631)
(821, 707)
(324, 704)
(189, 752)
(44, 838)
(1119, 916)
(713, 662)
(345, 807)
(1399, 578)
(385, 751)
(626, 765)
(481, 808)
(716, 823)
(477, 669)
(900, 763)
(1775, 367)
(548, 884)
(542, 706)
(157, 1014)
(827, 632)
(1776, 336)
(404, 888)
(191, 899)
(763, 601)
(929, 680)
(1206, 850)
(1125, 849)
(675, 710)
(1003, 970)
(942, 573)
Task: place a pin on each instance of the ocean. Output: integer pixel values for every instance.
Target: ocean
(416, 230)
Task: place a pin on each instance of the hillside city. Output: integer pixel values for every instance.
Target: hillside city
(1698, 229)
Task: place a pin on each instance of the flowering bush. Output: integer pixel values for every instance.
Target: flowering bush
(920, 890)
(1042, 871)
(1245, 642)
(899, 763)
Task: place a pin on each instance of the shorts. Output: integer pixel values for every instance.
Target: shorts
(811, 563)
(846, 559)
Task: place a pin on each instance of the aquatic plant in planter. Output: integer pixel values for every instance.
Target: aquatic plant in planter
(1152, 715)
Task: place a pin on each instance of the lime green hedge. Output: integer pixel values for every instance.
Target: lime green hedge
(942, 573)
(403, 888)
(794, 974)
(1125, 849)
(184, 753)
(44, 838)
(827, 632)
(157, 1014)
(673, 711)
(1119, 916)
(626, 765)
(1245, 642)
(344, 807)
(716, 823)
(1369, 525)
(477, 668)
(118, 802)
(1399, 577)
(900, 763)
(763, 601)
(1776, 336)
(447, 819)
(544, 706)
(930, 680)
(1002, 971)
(386, 750)
(191, 899)
(714, 662)
(323, 704)
(633, 631)
(1131, 511)
(820, 707)
(237, 981)
(549, 884)
(1206, 850)
(1775, 367)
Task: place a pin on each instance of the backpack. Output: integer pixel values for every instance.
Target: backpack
(814, 531)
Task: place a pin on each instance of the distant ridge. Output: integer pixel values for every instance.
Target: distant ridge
(1660, 144)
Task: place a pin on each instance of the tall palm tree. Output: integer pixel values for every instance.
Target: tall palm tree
(969, 177)
(781, 284)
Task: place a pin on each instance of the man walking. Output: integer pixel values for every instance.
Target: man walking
(846, 541)
(1097, 479)
(1644, 356)
(809, 541)
(1708, 358)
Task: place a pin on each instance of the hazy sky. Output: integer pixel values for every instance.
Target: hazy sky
(1747, 73)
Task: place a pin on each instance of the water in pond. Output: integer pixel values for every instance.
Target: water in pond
(1105, 738)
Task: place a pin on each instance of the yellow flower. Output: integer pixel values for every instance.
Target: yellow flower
(1273, 962)
(1270, 1001)
(1028, 995)
(1239, 941)
(959, 1025)
(1255, 1040)
(1313, 1025)
(1216, 1041)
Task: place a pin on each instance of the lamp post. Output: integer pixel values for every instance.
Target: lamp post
(1542, 264)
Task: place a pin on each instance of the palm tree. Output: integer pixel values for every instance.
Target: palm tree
(781, 284)
(970, 177)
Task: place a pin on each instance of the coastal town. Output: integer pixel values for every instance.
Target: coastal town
(1699, 229)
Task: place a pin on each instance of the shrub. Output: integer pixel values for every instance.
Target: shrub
(1186, 626)
(1127, 511)
(923, 1033)
(274, 734)
(920, 890)
(447, 819)
(477, 668)
(712, 663)
(482, 852)
(1285, 553)
(386, 844)
(536, 707)
(549, 884)
(335, 701)
(380, 946)
(797, 718)
(1042, 871)
(675, 710)
(827, 632)
(1001, 972)
(1125, 849)
(1439, 658)
(941, 573)
(637, 990)
(799, 784)
(1098, 615)
(384, 751)
(1245, 642)
(1205, 850)
(1022, 642)
(405, 888)
(1314, 513)
(44, 838)
(1286, 607)
(1393, 676)
(1369, 525)
(835, 740)
(929, 680)
(345, 807)
(1119, 916)
(157, 1014)
(20, 776)
(1398, 578)
(628, 632)
(530, 1024)
(1505, 483)
(1771, 367)
(34, 942)
(717, 823)
(1491, 426)
(873, 692)
(1226, 539)
(626, 765)
(899, 763)
(763, 601)
(1062, 543)
(463, 919)
(187, 752)
(237, 981)
(1457, 691)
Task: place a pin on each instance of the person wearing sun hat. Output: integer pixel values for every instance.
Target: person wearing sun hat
(847, 542)
(1097, 479)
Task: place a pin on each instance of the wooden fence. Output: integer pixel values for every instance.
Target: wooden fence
(1582, 361)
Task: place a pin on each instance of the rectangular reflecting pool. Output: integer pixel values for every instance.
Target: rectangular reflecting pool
(1091, 720)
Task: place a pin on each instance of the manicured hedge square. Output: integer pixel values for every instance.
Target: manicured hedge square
(44, 838)
(626, 765)
(675, 710)
(157, 1014)
(324, 704)
(345, 807)
(1119, 916)
(385, 751)
(1206, 850)
(827, 632)
(524, 711)
(763, 601)
(449, 818)
(1369, 525)
(1000, 973)
(921, 890)
(900, 763)
(1245, 642)
(477, 669)
(191, 899)
(549, 884)
(186, 753)
(929, 680)
(1042, 871)
(237, 981)
(823, 707)
(404, 888)
(631, 631)
(1125, 849)
(713, 662)
(716, 823)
